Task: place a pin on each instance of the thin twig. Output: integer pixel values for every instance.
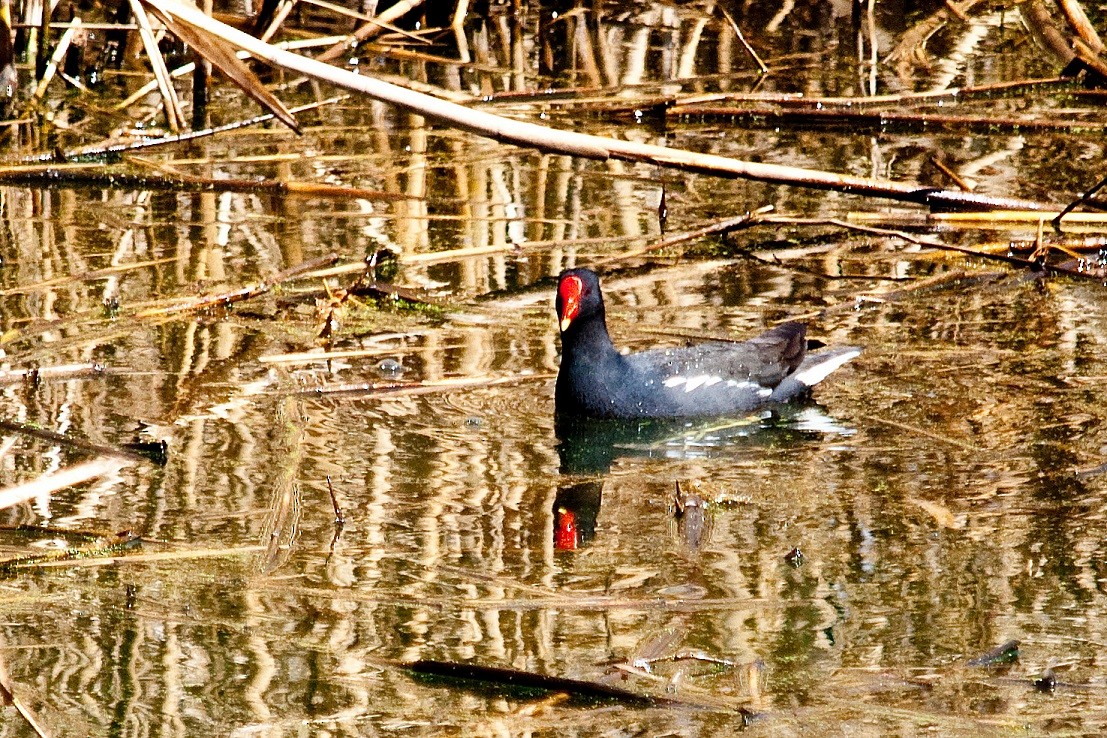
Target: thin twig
(722, 226)
(610, 100)
(1056, 222)
(742, 39)
(957, 179)
(934, 243)
(240, 294)
(370, 29)
(942, 437)
(339, 518)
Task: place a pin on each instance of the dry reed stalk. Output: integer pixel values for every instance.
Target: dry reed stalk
(59, 54)
(187, 69)
(177, 14)
(174, 117)
(881, 118)
(1026, 217)
(932, 242)
(613, 99)
(221, 54)
(43, 373)
(1078, 19)
(284, 7)
(742, 40)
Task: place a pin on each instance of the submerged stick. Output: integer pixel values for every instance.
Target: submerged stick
(518, 679)
(880, 119)
(580, 688)
(96, 547)
(68, 441)
(393, 389)
(286, 505)
(144, 558)
(97, 174)
(8, 697)
(572, 143)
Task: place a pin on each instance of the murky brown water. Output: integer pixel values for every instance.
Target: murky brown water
(946, 492)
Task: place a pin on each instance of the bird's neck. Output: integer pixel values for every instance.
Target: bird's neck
(589, 341)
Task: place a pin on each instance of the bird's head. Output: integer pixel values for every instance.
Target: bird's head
(578, 295)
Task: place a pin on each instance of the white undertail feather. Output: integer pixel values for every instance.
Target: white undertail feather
(811, 375)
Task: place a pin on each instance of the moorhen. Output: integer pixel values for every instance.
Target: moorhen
(707, 379)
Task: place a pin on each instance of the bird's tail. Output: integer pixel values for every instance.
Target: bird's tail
(814, 369)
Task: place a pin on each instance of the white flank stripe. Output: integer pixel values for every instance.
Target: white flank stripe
(675, 381)
(700, 381)
(816, 373)
(748, 385)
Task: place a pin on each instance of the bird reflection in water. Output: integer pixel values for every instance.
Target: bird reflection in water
(588, 448)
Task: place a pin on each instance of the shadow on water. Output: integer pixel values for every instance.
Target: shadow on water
(590, 447)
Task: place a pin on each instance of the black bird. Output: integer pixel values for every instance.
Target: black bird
(707, 379)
